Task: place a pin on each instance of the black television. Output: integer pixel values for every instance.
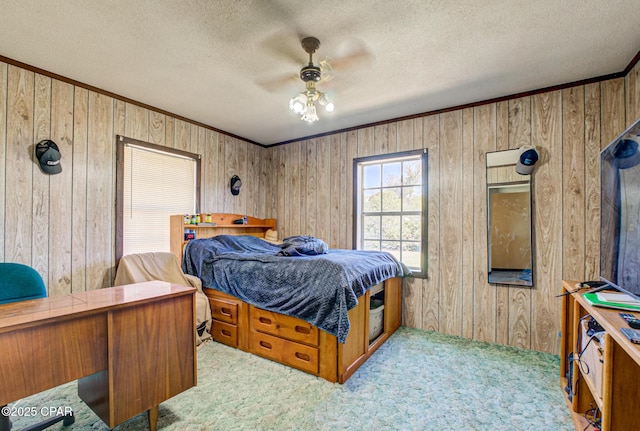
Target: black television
(620, 212)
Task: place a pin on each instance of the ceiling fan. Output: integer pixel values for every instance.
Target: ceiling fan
(304, 103)
(348, 54)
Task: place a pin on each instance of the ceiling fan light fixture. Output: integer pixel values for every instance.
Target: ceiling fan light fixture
(310, 116)
(326, 102)
(298, 104)
(304, 103)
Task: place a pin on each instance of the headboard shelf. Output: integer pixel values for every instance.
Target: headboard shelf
(236, 226)
(223, 226)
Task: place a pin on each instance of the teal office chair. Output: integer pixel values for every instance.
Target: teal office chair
(20, 282)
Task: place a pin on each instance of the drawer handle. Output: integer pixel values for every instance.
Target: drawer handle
(303, 356)
(303, 330)
(265, 345)
(226, 333)
(225, 311)
(264, 320)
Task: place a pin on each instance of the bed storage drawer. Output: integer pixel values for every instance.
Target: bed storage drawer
(283, 326)
(225, 333)
(224, 311)
(297, 355)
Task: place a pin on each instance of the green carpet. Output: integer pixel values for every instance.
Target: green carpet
(418, 380)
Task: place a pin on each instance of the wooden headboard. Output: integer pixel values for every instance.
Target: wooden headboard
(221, 224)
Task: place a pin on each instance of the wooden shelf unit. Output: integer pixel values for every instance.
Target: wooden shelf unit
(223, 225)
(620, 368)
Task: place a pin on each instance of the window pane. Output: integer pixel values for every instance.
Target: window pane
(371, 176)
(391, 227)
(392, 247)
(372, 201)
(391, 174)
(411, 227)
(412, 172)
(372, 245)
(412, 198)
(390, 202)
(411, 254)
(371, 227)
(156, 185)
(391, 199)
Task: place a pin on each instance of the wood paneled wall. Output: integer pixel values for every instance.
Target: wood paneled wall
(64, 225)
(312, 180)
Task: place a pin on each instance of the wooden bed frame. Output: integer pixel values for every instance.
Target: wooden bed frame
(284, 339)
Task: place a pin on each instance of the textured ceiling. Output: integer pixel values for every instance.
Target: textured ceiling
(228, 64)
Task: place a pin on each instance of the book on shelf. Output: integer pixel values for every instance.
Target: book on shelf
(617, 302)
(617, 297)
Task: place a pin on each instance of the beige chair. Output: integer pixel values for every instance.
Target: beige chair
(137, 268)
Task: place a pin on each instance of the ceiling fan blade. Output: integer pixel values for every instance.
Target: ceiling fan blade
(285, 42)
(351, 52)
(355, 60)
(275, 84)
(326, 70)
(331, 67)
(286, 45)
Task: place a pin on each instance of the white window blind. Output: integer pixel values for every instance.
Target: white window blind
(156, 185)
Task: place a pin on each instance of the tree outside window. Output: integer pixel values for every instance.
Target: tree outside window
(391, 206)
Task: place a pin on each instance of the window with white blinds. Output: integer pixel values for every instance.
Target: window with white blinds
(155, 185)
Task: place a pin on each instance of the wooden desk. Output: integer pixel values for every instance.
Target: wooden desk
(130, 347)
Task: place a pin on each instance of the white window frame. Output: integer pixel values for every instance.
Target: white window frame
(359, 196)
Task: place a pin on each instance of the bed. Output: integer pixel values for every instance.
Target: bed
(311, 312)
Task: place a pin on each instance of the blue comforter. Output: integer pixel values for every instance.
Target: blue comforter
(319, 289)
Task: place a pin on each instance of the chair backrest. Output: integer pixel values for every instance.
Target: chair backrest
(20, 282)
(137, 268)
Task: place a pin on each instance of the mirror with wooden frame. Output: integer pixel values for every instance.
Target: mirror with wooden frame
(509, 227)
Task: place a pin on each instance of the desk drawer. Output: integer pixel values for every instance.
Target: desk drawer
(283, 326)
(224, 311)
(297, 355)
(225, 333)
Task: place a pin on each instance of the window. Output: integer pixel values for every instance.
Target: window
(153, 183)
(391, 201)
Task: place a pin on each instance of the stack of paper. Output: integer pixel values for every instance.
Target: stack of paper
(617, 297)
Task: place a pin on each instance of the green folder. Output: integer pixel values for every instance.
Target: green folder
(592, 298)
